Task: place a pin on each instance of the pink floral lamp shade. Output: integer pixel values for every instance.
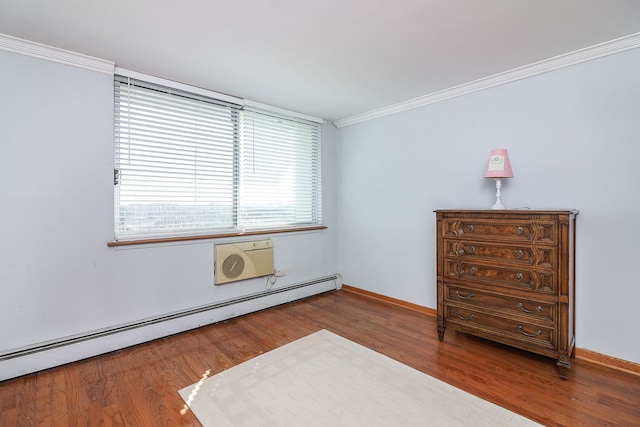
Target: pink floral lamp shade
(499, 165)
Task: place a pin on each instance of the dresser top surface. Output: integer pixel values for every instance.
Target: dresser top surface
(510, 211)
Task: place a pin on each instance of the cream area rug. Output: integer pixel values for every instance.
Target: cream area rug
(324, 379)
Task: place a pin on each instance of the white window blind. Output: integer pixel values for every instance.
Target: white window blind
(187, 164)
(279, 171)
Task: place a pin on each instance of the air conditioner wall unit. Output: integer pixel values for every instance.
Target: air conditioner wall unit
(242, 260)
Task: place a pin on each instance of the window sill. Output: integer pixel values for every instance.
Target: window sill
(212, 236)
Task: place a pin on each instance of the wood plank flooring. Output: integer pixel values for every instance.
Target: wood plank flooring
(138, 386)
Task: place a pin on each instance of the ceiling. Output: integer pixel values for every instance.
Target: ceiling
(332, 59)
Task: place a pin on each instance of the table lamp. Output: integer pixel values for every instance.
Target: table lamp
(498, 168)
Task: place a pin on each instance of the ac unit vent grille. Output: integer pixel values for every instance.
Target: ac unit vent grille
(242, 260)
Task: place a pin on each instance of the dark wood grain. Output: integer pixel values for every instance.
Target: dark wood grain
(508, 276)
(139, 386)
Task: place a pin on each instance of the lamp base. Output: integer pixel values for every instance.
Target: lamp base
(498, 204)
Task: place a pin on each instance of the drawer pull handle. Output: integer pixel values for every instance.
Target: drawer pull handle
(471, 271)
(521, 329)
(470, 250)
(470, 228)
(519, 277)
(459, 295)
(460, 316)
(519, 231)
(522, 307)
(519, 254)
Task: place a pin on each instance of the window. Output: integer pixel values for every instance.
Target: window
(191, 165)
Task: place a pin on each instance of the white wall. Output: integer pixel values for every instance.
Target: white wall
(57, 275)
(573, 137)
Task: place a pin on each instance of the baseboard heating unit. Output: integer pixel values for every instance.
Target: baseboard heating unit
(48, 354)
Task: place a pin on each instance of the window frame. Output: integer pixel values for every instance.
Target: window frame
(235, 229)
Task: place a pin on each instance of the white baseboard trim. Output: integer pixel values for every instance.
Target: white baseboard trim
(39, 356)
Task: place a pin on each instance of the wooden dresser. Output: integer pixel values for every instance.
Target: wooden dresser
(508, 276)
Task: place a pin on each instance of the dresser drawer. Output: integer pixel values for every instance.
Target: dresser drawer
(498, 276)
(525, 255)
(524, 231)
(538, 311)
(510, 329)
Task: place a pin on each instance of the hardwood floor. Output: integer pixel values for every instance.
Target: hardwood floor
(138, 386)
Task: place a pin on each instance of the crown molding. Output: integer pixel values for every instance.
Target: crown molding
(621, 44)
(37, 50)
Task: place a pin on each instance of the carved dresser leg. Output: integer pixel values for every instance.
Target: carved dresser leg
(563, 368)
